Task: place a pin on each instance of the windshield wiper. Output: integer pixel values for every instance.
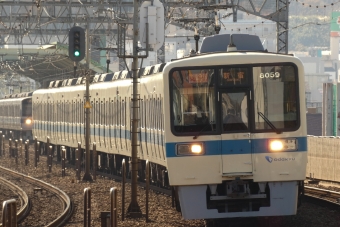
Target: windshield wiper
(269, 123)
(205, 126)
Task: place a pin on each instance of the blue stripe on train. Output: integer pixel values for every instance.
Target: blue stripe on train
(232, 147)
(210, 147)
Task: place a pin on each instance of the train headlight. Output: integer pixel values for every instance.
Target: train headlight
(196, 148)
(189, 149)
(28, 121)
(283, 145)
(276, 145)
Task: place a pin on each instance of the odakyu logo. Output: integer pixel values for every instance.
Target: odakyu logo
(270, 159)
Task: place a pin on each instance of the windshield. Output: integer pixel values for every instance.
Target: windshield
(275, 96)
(234, 99)
(193, 100)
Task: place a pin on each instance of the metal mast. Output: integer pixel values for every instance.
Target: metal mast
(134, 208)
(87, 175)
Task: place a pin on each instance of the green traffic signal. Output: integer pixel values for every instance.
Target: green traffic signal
(76, 50)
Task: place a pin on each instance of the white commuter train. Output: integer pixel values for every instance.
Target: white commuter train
(16, 115)
(229, 127)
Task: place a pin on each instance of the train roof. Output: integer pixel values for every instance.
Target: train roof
(243, 42)
(106, 77)
(18, 95)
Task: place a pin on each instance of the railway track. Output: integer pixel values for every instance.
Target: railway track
(41, 191)
(24, 201)
(323, 194)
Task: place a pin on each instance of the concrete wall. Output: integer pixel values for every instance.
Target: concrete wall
(324, 158)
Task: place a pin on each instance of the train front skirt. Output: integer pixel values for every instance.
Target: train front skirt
(280, 198)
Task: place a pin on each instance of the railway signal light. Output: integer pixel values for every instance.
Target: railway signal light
(76, 42)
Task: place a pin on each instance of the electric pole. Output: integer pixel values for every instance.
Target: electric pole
(134, 208)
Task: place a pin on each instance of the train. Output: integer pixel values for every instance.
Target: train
(225, 126)
(16, 115)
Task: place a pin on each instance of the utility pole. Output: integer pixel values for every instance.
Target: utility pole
(87, 175)
(134, 208)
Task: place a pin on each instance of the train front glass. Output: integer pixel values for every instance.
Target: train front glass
(227, 99)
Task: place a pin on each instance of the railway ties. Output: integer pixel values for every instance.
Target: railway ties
(41, 196)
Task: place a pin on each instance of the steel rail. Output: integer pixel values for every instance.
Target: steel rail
(25, 203)
(323, 194)
(67, 204)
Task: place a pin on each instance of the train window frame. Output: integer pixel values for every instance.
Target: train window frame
(249, 85)
(123, 105)
(212, 83)
(102, 111)
(236, 77)
(119, 111)
(158, 114)
(162, 114)
(142, 125)
(112, 105)
(147, 115)
(297, 98)
(82, 112)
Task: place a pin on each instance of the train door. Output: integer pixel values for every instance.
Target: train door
(236, 142)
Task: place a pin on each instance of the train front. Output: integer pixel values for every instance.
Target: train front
(235, 134)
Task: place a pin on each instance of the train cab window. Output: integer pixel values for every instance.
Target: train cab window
(276, 98)
(27, 108)
(233, 77)
(193, 105)
(234, 111)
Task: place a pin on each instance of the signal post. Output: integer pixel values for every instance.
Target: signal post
(78, 49)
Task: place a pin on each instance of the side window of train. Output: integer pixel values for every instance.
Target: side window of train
(113, 113)
(147, 116)
(106, 108)
(142, 113)
(156, 114)
(114, 109)
(159, 114)
(111, 103)
(47, 111)
(119, 110)
(69, 113)
(162, 121)
(131, 110)
(66, 111)
(82, 112)
(63, 111)
(123, 112)
(150, 113)
(98, 112)
(77, 116)
(94, 112)
(102, 113)
(74, 112)
(154, 107)
(60, 112)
